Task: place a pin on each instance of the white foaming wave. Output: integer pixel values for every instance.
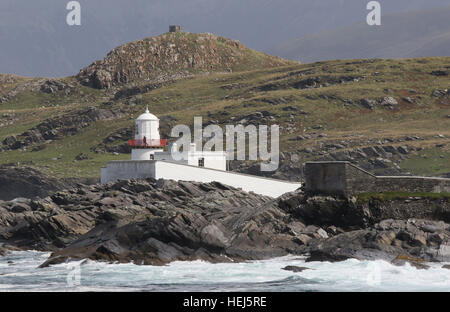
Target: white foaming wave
(349, 275)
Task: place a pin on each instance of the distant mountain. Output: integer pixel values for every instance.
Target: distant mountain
(36, 41)
(411, 34)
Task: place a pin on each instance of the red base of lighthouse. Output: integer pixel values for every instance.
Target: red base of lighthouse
(147, 144)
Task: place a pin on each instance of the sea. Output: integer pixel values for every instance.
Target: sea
(19, 272)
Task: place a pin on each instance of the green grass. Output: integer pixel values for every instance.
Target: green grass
(429, 162)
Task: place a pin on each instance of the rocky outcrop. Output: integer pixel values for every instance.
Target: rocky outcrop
(420, 239)
(365, 210)
(57, 85)
(156, 222)
(440, 93)
(150, 221)
(171, 56)
(206, 221)
(387, 102)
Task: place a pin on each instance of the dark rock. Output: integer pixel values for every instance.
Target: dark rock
(328, 211)
(403, 150)
(381, 242)
(290, 109)
(401, 260)
(439, 93)
(381, 163)
(10, 141)
(440, 73)
(390, 149)
(20, 207)
(321, 255)
(368, 103)
(55, 85)
(295, 269)
(81, 156)
(371, 151)
(408, 100)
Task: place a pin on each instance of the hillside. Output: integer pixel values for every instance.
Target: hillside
(388, 116)
(173, 55)
(403, 35)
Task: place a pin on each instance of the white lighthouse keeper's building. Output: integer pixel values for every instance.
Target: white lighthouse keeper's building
(149, 160)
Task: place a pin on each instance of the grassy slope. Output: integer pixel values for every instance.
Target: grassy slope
(203, 96)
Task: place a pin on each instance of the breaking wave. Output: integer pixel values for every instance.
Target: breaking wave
(19, 272)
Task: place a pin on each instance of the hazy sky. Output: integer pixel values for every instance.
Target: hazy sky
(35, 39)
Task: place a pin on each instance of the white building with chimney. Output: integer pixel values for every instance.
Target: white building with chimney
(149, 159)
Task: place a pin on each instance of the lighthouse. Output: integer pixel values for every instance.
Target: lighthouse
(149, 160)
(147, 140)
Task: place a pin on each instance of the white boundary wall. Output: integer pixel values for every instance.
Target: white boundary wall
(173, 171)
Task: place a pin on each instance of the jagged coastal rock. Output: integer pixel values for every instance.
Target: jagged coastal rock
(156, 222)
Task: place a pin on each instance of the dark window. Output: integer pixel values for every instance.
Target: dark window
(152, 157)
(201, 162)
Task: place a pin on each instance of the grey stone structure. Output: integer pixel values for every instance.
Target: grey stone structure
(175, 28)
(342, 178)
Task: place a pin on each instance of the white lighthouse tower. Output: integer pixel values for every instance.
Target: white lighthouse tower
(146, 140)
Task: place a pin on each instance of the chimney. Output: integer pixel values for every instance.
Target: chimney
(175, 28)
